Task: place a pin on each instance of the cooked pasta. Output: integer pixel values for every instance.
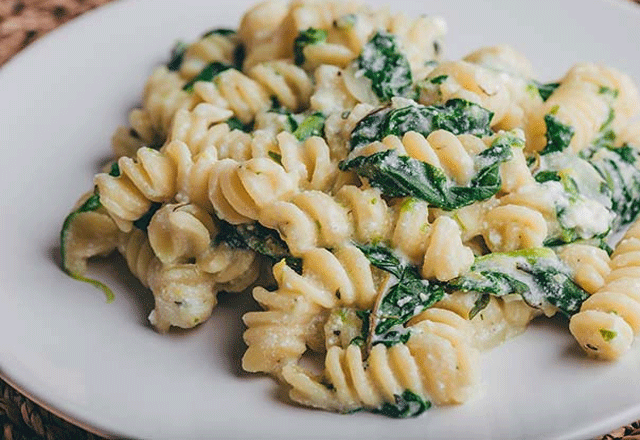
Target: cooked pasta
(391, 211)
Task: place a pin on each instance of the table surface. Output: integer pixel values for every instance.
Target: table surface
(21, 23)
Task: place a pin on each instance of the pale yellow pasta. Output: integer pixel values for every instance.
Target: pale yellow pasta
(200, 127)
(609, 319)
(589, 97)
(151, 177)
(513, 227)
(505, 95)
(437, 363)
(89, 234)
(445, 256)
(180, 233)
(208, 49)
(590, 265)
(502, 319)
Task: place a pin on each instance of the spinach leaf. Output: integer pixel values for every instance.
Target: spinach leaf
(383, 258)
(558, 135)
(456, 116)
(386, 66)
(177, 55)
(262, 240)
(537, 275)
(219, 31)
(404, 300)
(91, 204)
(207, 74)
(618, 167)
(408, 404)
(304, 39)
(312, 125)
(545, 90)
(236, 124)
(402, 176)
(407, 296)
(143, 222)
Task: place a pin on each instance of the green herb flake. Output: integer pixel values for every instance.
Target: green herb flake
(604, 90)
(207, 74)
(386, 66)
(312, 125)
(305, 38)
(607, 335)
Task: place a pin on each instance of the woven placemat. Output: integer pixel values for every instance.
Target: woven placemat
(22, 22)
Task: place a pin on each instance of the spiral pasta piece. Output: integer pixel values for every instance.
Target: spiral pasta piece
(184, 233)
(501, 319)
(88, 234)
(184, 293)
(503, 58)
(151, 177)
(442, 149)
(446, 257)
(200, 127)
(609, 319)
(437, 363)
(512, 227)
(505, 95)
(314, 219)
(588, 98)
(590, 265)
(213, 46)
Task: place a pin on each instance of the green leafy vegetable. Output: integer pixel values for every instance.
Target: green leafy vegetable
(262, 240)
(386, 66)
(402, 176)
(439, 79)
(219, 31)
(618, 167)
(177, 55)
(607, 335)
(312, 125)
(545, 90)
(91, 204)
(537, 275)
(604, 90)
(558, 135)
(456, 116)
(239, 54)
(304, 39)
(407, 295)
(207, 74)
(236, 124)
(406, 405)
(143, 222)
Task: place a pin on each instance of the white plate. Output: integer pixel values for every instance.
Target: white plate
(102, 366)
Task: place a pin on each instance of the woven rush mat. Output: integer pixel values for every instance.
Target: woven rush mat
(21, 23)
